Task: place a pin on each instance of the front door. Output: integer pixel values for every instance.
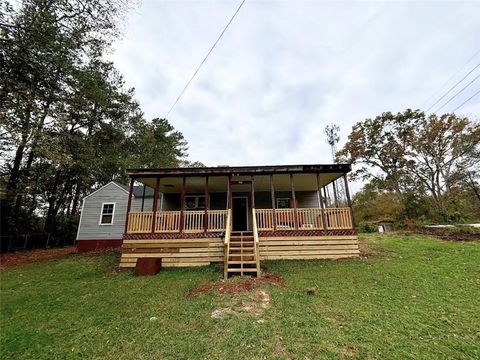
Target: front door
(239, 213)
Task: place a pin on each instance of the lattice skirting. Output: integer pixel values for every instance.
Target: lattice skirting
(150, 236)
(303, 232)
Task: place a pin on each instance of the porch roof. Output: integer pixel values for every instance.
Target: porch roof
(242, 170)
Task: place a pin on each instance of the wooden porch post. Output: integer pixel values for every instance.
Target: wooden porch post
(155, 204)
(143, 197)
(129, 204)
(294, 203)
(325, 197)
(347, 192)
(335, 193)
(272, 193)
(229, 192)
(320, 202)
(205, 216)
(252, 193)
(182, 205)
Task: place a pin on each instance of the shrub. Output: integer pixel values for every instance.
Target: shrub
(366, 227)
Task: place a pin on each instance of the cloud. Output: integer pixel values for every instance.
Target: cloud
(284, 70)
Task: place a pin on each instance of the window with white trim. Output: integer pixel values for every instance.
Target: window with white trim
(283, 203)
(106, 217)
(194, 202)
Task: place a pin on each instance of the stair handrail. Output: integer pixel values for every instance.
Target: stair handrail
(228, 227)
(228, 230)
(255, 227)
(255, 237)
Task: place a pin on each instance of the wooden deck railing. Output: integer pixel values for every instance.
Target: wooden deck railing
(140, 222)
(285, 219)
(311, 218)
(169, 221)
(217, 220)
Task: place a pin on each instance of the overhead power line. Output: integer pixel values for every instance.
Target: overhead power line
(466, 101)
(458, 93)
(205, 58)
(450, 79)
(453, 87)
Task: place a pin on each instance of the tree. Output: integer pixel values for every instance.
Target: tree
(379, 146)
(412, 154)
(441, 152)
(68, 124)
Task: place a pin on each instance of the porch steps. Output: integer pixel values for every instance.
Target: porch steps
(241, 257)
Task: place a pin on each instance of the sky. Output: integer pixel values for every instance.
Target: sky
(286, 69)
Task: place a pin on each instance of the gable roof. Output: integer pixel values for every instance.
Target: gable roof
(104, 186)
(137, 190)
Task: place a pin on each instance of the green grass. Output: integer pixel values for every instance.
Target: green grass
(418, 298)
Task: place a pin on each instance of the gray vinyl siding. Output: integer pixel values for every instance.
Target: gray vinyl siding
(147, 205)
(89, 228)
(263, 200)
(305, 199)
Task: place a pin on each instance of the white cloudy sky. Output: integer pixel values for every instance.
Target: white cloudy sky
(286, 69)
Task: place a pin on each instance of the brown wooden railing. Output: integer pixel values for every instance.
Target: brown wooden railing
(306, 218)
(169, 221)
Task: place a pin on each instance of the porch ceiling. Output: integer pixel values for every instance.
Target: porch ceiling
(281, 182)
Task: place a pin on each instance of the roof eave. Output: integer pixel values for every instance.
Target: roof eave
(242, 170)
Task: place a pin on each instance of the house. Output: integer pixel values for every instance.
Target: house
(239, 216)
(103, 214)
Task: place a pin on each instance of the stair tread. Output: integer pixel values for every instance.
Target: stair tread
(242, 254)
(241, 270)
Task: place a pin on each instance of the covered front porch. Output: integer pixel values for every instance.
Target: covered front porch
(202, 204)
(238, 216)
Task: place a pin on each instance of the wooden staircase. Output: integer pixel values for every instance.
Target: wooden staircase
(242, 253)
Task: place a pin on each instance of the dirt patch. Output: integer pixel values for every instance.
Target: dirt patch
(449, 235)
(201, 289)
(348, 352)
(366, 251)
(236, 285)
(32, 256)
(254, 304)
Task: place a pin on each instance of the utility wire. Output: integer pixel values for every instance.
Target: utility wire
(453, 87)
(205, 58)
(450, 79)
(454, 96)
(466, 101)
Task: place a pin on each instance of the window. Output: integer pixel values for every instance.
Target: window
(283, 203)
(195, 202)
(106, 217)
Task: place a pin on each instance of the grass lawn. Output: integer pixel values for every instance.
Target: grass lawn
(417, 297)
